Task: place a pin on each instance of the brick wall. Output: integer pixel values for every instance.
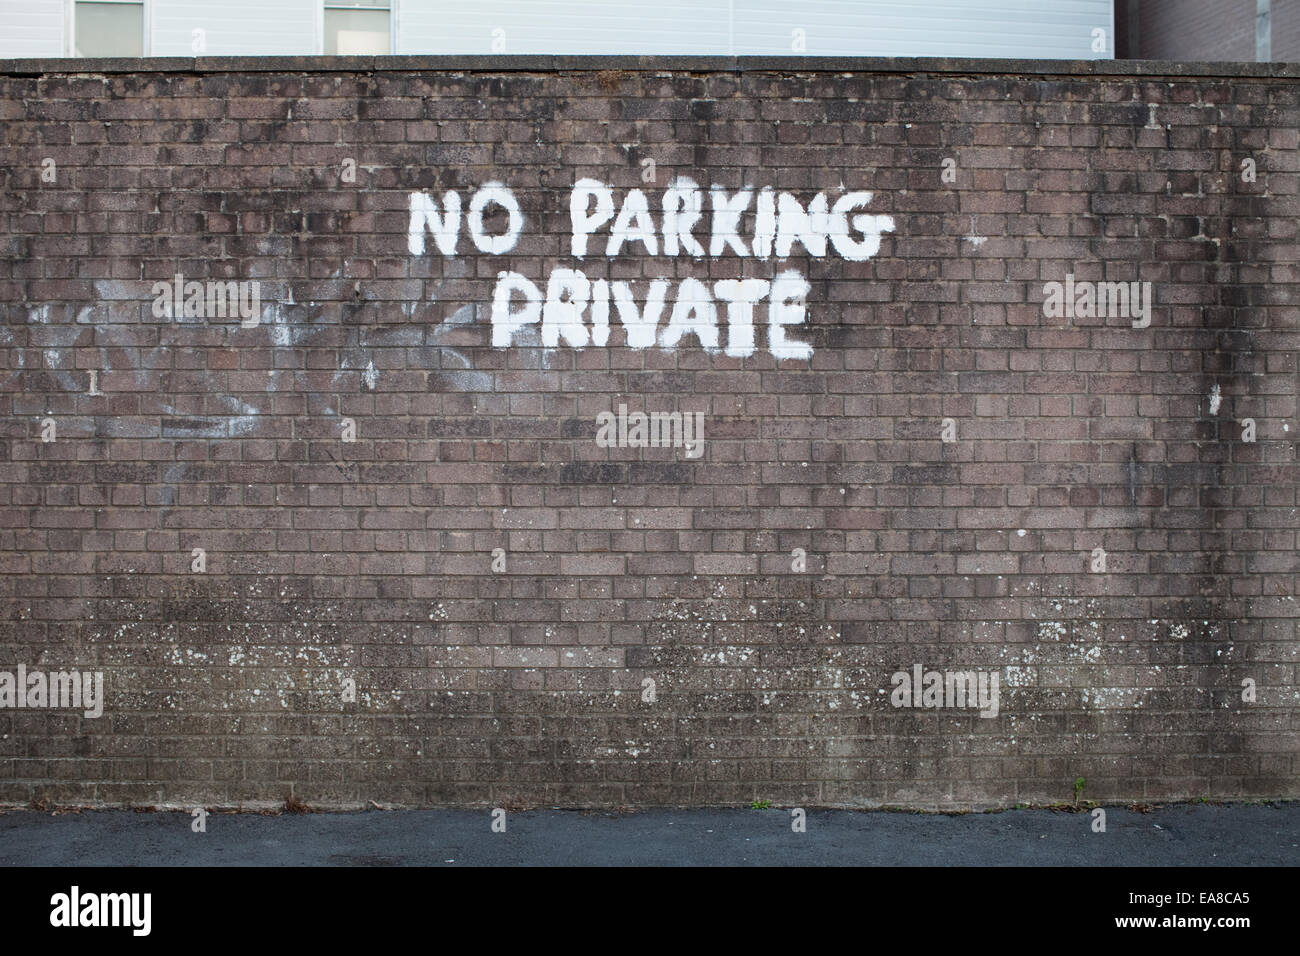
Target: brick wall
(466, 603)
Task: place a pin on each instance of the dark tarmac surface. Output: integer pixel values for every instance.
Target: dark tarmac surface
(1176, 835)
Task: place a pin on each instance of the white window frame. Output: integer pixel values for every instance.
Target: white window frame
(70, 38)
(321, 7)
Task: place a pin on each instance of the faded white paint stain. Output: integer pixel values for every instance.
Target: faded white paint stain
(244, 416)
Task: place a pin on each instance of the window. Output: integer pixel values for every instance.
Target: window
(108, 28)
(358, 27)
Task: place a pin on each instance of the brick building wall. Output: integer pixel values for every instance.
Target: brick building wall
(1216, 30)
(1223, 30)
(363, 541)
(1284, 32)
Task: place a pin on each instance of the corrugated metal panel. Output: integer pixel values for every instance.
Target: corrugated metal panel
(1046, 29)
(565, 26)
(236, 27)
(1035, 29)
(1029, 29)
(31, 28)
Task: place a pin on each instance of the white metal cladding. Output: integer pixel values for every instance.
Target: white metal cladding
(1025, 29)
(1032, 29)
(565, 26)
(235, 27)
(32, 28)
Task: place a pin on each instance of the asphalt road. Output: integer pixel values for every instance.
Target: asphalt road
(1180, 835)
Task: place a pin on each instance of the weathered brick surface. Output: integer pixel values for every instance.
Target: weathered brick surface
(372, 561)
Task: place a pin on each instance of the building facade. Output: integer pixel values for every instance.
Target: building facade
(1259, 31)
(1065, 29)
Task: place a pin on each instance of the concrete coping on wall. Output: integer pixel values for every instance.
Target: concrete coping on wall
(913, 66)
